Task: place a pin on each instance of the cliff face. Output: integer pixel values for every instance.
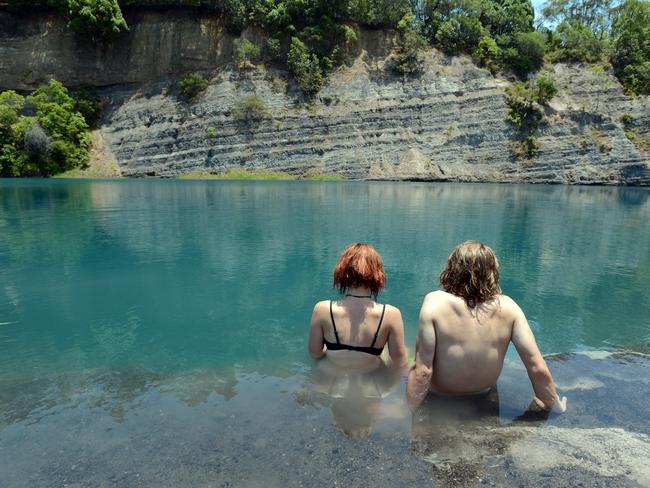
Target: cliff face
(447, 124)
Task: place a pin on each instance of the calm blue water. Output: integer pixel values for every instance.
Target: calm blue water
(174, 275)
(153, 333)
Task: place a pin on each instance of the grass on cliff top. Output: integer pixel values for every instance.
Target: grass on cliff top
(261, 174)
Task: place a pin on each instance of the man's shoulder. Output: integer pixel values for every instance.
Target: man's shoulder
(440, 296)
(439, 300)
(508, 306)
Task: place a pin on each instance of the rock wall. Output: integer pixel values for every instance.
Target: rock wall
(447, 124)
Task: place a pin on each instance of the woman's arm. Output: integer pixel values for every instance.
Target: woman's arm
(396, 347)
(316, 339)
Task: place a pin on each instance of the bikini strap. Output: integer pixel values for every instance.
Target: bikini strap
(334, 324)
(379, 326)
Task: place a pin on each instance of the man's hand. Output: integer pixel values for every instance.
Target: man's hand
(537, 406)
(419, 378)
(560, 404)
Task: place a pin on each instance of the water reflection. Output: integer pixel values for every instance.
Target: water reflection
(354, 396)
(244, 428)
(210, 274)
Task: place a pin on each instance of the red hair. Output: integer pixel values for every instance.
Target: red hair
(360, 265)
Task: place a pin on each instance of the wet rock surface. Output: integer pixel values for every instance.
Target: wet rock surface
(237, 427)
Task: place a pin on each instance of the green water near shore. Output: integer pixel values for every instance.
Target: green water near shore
(153, 333)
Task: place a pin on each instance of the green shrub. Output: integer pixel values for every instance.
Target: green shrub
(524, 52)
(487, 53)
(245, 51)
(409, 59)
(523, 111)
(192, 85)
(88, 104)
(53, 140)
(545, 88)
(304, 66)
(460, 34)
(627, 119)
(524, 101)
(274, 48)
(576, 42)
(250, 108)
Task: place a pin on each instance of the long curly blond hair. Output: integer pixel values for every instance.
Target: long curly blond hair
(472, 273)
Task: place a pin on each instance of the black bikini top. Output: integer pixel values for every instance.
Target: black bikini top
(337, 346)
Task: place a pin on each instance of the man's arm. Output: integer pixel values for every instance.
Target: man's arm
(316, 339)
(421, 372)
(538, 372)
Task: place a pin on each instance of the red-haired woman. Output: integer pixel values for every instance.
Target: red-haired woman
(354, 330)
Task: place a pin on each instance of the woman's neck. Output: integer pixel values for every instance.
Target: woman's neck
(359, 292)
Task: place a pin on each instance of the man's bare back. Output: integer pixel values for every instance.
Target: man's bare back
(461, 345)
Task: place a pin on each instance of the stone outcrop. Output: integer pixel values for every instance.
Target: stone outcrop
(366, 123)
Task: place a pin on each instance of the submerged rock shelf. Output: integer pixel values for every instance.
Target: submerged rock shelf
(140, 428)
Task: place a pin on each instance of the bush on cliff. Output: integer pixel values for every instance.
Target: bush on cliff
(525, 100)
(192, 85)
(102, 17)
(304, 66)
(250, 109)
(245, 52)
(409, 58)
(53, 140)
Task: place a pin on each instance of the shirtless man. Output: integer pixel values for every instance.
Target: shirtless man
(465, 330)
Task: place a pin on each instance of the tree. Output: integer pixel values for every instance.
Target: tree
(245, 52)
(409, 60)
(631, 45)
(55, 112)
(592, 14)
(94, 16)
(524, 52)
(304, 66)
(575, 41)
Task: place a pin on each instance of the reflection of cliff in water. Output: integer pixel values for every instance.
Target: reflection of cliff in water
(203, 274)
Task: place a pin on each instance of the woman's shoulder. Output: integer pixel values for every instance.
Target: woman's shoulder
(391, 312)
(323, 305)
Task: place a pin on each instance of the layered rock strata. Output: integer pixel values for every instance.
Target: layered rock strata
(449, 123)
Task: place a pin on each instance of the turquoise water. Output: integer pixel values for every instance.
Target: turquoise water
(174, 275)
(153, 333)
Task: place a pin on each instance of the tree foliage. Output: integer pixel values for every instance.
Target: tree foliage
(305, 67)
(631, 45)
(102, 17)
(497, 33)
(53, 140)
(192, 85)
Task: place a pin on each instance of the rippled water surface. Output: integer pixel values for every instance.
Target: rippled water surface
(169, 318)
